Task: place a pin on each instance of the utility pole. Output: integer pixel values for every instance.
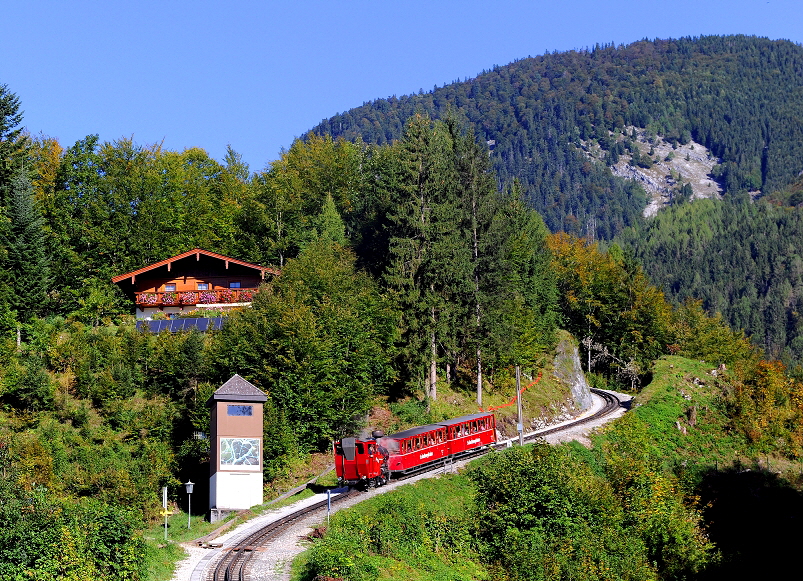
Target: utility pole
(520, 424)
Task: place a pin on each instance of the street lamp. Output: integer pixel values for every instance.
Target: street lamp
(189, 484)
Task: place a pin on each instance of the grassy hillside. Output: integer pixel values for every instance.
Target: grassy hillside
(650, 500)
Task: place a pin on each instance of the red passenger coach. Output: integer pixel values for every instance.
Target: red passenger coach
(470, 432)
(374, 461)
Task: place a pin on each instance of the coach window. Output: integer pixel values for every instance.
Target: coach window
(360, 449)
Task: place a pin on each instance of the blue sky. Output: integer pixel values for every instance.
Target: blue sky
(258, 74)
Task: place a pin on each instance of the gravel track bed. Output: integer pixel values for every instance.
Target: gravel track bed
(272, 563)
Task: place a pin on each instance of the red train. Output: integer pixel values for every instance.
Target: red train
(373, 461)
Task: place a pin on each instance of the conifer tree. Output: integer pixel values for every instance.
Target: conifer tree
(430, 265)
(26, 259)
(12, 143)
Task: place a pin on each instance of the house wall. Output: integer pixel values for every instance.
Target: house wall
(190, 283)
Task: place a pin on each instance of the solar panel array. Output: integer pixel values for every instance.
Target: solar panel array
(174, 325)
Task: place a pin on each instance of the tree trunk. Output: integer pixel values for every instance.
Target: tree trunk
(479, 377)
(433, 366)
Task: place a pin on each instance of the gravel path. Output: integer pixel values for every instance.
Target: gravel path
(273, 562)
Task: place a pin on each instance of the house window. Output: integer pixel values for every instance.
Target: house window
(203, 286)
(170, 287)
(234, 284)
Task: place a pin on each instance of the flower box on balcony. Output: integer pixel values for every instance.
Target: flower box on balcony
(149, 298)
(207, 297)
(189, 298)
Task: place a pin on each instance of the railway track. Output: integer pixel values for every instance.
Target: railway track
(233, 564)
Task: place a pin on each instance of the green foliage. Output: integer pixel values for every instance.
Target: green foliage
(543, 514)
(288, 198)
(739, 258)
(280, 442)
(653, 502)
(319, 339)
(606, 299)
(428, 537)
(13, 143)
(467, 264)
(430, 261)
(27, 386)
(24, 240)
(701, 336)
(767, 406)
(114, 207)
(54, 539)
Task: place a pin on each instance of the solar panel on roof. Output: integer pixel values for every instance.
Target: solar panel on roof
(202, 324)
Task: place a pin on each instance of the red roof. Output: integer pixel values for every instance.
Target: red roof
(196, 252)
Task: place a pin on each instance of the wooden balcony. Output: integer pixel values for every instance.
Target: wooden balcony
(190, 298)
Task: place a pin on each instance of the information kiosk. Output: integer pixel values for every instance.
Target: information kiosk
(235, 457)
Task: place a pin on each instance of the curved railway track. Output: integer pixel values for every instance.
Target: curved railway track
(233, 565)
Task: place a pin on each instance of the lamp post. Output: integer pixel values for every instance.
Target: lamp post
(189, 484)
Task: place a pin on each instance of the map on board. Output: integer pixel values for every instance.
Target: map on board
(239, 452)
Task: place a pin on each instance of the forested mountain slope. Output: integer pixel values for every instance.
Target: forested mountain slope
(741, 97)
(742, 258)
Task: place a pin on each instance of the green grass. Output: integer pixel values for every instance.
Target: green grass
(162, 555)
(419, 532)
(679, 387)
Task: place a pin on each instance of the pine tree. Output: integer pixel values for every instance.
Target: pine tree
(430, 266)
(479, 204)
(26, 258)
(12, 143)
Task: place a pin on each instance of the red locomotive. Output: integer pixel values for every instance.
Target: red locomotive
(373, 461)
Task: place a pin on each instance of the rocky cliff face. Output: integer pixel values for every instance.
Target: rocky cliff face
(569, 372)
(672, 167)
